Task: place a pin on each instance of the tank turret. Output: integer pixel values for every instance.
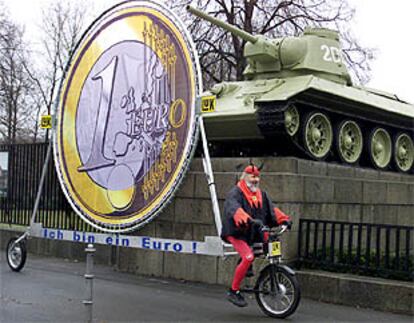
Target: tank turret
(298, 99)
(317, 50)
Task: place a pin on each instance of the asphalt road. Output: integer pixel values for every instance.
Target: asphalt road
(52, 290)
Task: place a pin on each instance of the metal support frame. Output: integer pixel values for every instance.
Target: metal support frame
(226, 248)
(210, 177)
(26, 234)
(42, 180)
(213, 245)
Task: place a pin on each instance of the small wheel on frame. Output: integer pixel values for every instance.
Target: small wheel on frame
(16, 254)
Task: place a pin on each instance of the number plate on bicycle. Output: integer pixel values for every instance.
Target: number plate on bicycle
(275, 248)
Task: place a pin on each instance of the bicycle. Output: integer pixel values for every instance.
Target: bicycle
(276, 289)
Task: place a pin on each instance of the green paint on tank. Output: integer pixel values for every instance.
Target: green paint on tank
(308, 72)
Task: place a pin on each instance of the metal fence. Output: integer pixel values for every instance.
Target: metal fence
(373, 249)
(23, 169)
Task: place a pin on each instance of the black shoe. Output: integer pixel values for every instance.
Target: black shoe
(236, 298)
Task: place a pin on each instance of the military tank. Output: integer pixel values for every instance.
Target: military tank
(298, 99)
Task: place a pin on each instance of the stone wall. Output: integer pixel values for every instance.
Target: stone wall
(303, 189)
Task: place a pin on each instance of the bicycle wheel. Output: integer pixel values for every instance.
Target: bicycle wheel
(281, 300)
(16, 254)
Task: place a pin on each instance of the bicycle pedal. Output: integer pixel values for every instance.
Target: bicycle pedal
(250, 272)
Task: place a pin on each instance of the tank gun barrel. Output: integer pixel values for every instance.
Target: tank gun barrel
(234, 30)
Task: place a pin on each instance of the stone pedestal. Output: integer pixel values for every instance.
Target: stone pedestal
(301, 188)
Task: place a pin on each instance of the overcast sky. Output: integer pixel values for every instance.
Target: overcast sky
(382, 24)
(4, 160)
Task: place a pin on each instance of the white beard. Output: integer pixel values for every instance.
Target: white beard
(252, 187)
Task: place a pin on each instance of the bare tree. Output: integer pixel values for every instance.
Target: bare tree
(221, 53)
(61, 27)
(14, 84)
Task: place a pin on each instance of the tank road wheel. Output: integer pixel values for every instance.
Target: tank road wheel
(292, 120)
(318, 135)
(349, 141)
(403, 152)
(380, 148)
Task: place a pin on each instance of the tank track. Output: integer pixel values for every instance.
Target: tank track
(270, 118)
(270, 121)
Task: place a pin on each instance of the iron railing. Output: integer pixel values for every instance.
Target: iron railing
(364, 248)
(373, 249)
(25, 163)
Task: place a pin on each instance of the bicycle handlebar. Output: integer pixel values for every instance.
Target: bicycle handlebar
(284, 227)
(265, 228)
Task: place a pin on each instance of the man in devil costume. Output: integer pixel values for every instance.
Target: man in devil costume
(244, 202)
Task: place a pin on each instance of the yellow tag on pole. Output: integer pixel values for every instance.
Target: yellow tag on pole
(46, 122)
(208, 104)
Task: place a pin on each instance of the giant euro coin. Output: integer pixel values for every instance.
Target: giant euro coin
(126, 121)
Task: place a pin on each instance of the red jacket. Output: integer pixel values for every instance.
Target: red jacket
(257, 205)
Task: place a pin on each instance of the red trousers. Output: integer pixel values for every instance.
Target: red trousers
(247, 257)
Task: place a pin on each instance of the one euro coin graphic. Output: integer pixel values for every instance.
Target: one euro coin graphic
(126, 124)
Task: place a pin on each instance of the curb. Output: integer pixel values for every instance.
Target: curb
(358, 291)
